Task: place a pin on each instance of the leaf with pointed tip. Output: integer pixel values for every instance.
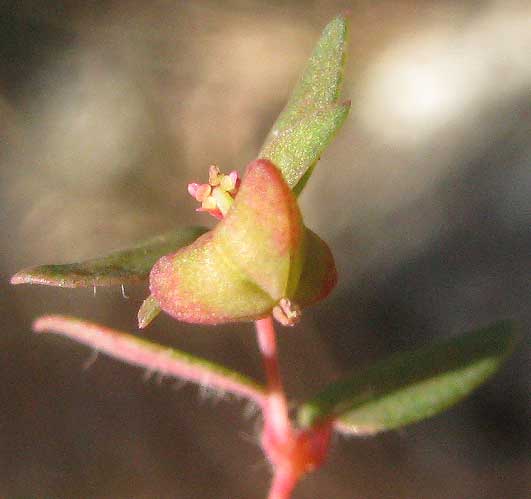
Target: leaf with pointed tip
(321, 81)
(412, 386)
(120, 267)
(312, 107)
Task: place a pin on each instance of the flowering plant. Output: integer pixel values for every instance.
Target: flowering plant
(261, 262)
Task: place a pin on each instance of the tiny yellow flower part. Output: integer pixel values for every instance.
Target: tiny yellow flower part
(287, 312)
(223, 200)
(209, 204)
(214, 175)
(229, 183)
(217, 196)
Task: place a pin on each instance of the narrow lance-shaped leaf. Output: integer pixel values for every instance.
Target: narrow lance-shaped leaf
(156, 358)
(120, 267)
(412, 386)
(312, 115)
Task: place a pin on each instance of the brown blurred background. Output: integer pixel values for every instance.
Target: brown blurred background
(108, 109)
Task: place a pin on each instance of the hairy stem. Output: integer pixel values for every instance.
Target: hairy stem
(278, 438)
(142, 353)
(291, 451)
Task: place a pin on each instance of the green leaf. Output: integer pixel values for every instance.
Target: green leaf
(120, 267)
(296, 150)
(312, 116)
(320, 83)
(412, 386)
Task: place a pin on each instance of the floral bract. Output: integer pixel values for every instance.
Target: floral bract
(252, 262)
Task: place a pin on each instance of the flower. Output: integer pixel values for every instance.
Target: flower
(259, 258)
(217, 196)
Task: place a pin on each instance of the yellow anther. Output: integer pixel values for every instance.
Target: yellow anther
(227, 183)
(203, 192)
(223, 200)
(209, 203)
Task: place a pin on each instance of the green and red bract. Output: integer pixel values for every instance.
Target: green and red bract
(251, 260)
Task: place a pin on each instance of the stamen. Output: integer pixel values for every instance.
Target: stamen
(287, 312)
(214, 175)
(203, 192)
(217, 196)
(223, 199)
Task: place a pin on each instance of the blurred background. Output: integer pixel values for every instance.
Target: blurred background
(108, 109)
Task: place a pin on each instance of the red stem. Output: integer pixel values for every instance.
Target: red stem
(278, 438)
(282, 485)
(276, 407)
(291, 451)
